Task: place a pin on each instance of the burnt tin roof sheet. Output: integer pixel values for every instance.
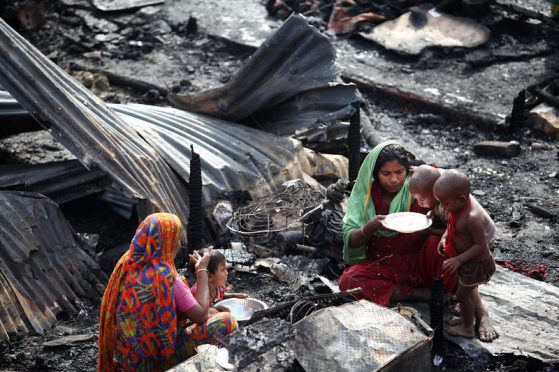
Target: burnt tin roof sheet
(86, 126)
(234, 157)
(43, 269)
(60, 181)
(290, 83)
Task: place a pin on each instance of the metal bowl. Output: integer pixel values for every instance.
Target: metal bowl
(242, 308)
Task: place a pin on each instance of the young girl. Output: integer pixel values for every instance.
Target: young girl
(217, 279)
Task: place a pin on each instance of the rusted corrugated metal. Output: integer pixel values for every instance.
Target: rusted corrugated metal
(43, 269)
(86, 126)
(61, 181)
(290, 84)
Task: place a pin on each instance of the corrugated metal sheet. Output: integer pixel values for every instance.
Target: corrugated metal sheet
(13, 117)
(234, 157)
(43, 269)
(60, 181)
(118, 202)
(10, 108)
(290, 83)
(143, 146)
(86, 126)
(323, 105)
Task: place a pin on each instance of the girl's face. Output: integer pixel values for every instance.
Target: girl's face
(219, 278)
(391, 176)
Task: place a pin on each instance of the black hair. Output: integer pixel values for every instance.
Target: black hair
(216, 258)
(393, 152)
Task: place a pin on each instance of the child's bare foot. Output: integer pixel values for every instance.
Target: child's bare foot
(455, 309)
(485, 329)
(461, 331)
(453, 321)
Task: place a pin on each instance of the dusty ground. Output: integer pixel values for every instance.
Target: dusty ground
(174, 54)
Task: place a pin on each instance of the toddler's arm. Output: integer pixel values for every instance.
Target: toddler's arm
(442, 243)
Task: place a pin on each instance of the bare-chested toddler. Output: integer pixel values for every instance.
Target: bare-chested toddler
(465, 244)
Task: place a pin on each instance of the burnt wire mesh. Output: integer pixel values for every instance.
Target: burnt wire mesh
(260, 221)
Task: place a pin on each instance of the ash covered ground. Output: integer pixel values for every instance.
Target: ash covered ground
(183, 57)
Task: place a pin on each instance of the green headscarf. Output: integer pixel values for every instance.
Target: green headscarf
(361, 210)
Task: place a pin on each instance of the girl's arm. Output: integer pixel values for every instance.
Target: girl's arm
(199, 312)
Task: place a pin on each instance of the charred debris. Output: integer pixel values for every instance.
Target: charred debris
(259, 166)
(136, 159)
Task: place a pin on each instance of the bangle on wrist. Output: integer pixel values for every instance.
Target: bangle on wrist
(199, 270)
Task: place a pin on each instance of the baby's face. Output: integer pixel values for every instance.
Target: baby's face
(425, 198)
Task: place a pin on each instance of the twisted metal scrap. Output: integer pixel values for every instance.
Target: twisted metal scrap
(276, 212)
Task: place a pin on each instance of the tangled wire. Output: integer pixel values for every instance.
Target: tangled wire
(260, 220)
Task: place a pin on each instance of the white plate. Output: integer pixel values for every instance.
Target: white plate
(242, 308)
(406, 222)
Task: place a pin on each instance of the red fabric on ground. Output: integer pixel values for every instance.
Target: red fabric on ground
(538, 272)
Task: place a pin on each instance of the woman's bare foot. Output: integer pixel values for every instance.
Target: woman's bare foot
(485, 329)
(455, 309)
(461, 331)
(453, 321)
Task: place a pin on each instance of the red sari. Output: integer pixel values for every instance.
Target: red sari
(405, 260)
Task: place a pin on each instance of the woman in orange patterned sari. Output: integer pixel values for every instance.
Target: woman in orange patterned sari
(149, 320)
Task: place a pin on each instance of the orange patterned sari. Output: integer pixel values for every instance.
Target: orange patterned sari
(138, 314)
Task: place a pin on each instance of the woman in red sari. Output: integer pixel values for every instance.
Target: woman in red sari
(389, 266)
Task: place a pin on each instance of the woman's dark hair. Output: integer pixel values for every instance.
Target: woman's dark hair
(391, 153)
(215, 259)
